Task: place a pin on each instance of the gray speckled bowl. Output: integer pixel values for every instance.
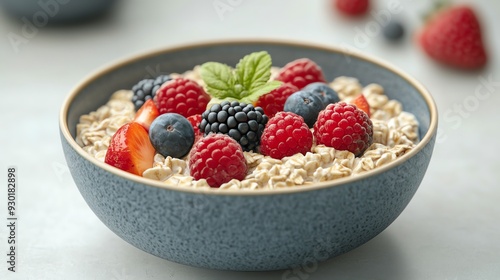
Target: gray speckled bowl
(243, 229)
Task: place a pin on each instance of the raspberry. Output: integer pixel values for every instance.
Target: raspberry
(217, 158)
(344, 127)
(243, 122)
(146, 89)
(181, 96)
(300, 73)
(286, 134)
(195, 122)
(274, 101)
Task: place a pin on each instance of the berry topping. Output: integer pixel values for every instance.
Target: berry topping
(195, 121)
(453, 37)
(146, 89)
(286, 134)
(327, 94)
(243, 122)
(274, 101)
(393, 31)
(171, 135)
(305, 104)
(130, 149)
(181, 96)
(300, 73)
(344, 127)
(218, 159)
(362, 104)
(146, 114)
(352, 7)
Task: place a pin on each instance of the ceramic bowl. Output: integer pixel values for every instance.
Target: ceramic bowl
(248, 230)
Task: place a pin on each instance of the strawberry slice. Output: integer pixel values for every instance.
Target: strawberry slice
(146, 114)
(130, 149)
(362, 104)
(453, 37)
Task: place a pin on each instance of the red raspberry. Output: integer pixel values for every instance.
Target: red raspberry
(286, 134)
(274, 101)
(300, 73)
(218, 158)
(181, 96)
(344, 127)
(352, 7)
(195, 121)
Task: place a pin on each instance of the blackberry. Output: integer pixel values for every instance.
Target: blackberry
(146, 89)
(242, 122)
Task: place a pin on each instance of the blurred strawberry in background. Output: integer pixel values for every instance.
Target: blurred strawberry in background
(352, 7)
(452, 36)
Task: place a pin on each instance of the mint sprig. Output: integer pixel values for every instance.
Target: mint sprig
(247, 82)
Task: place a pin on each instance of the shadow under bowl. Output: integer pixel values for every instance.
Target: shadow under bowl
(248, 230)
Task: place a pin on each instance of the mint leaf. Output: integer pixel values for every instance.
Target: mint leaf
(246, 83)
(219, 79)
(255, 93)
(253, 70)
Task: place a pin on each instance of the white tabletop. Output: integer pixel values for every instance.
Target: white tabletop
(450, 230)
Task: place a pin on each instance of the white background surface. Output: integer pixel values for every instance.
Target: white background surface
(450, 230)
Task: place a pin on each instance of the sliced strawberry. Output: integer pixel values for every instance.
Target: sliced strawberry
(146, 114)
(362, 104)
(130, 149)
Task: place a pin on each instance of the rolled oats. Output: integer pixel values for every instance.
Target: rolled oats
(346, 87)
(96, 128)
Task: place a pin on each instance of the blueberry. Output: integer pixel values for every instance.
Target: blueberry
(393, 31)
(328, 95)
(171, 135)
(305, 104)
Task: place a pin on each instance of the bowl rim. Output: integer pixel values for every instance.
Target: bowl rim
(63, 125)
